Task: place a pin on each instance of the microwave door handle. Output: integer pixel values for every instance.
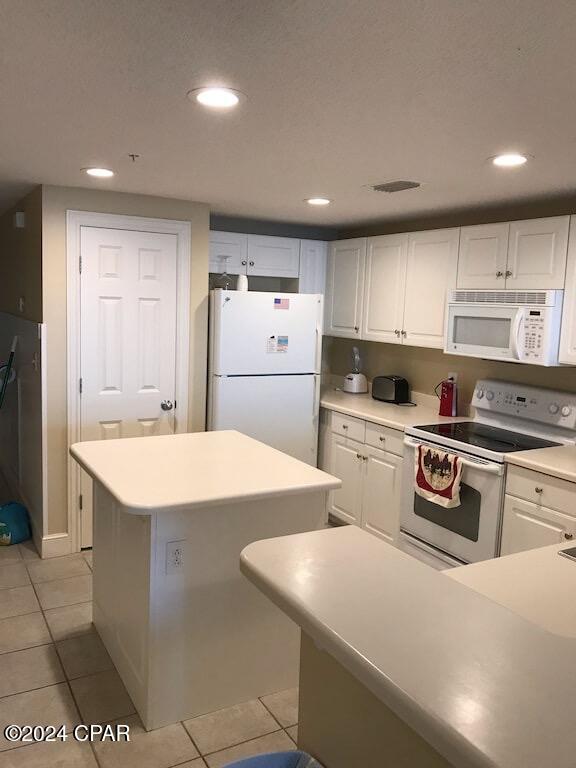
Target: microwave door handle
(493, 469)
(516, 333)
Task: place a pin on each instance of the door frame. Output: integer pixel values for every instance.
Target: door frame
(74, 221)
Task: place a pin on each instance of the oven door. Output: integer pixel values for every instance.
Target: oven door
(489, 331)
(470, 532)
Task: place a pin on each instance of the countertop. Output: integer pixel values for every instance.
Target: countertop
(389, 415)
(484, 686)
(558, 461)
(147, 474)
(537, 585)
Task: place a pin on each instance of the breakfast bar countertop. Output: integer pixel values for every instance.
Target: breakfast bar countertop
(484, 686)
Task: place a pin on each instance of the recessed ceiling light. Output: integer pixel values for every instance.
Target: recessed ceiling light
(318, 201)
(509, 160)
(99, 173)
(215, 97)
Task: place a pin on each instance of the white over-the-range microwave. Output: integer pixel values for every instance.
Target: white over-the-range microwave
(518, 326)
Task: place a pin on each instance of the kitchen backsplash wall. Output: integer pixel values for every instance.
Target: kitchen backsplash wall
(424, 368)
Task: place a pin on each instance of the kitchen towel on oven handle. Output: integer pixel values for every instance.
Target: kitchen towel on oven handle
(437, 476)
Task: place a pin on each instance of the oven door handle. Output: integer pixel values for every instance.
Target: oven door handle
(492, 468)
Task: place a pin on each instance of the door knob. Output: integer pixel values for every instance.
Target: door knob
(166, 405)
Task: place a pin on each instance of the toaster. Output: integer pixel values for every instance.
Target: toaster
(391, 389)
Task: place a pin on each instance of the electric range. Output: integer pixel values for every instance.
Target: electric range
(507, 418)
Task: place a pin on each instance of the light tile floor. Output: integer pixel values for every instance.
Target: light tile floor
(55, 670)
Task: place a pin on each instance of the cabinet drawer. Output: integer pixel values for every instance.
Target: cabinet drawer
(348, 426)
(551, 492)
(387, 439)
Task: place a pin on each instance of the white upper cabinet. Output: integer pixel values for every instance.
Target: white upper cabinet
(273, 256)
(344, 288)
(431, 267)
(384, 283)
(537, 253)
(483, 255)
(313, 255)
(228, 252)
(520, 255)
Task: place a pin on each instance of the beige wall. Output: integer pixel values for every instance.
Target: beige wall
(55, 202)
(21, 259)
(424, 368)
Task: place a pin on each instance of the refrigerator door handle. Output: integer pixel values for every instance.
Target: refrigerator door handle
(318, 361)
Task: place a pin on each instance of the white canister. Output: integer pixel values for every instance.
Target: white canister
(242, 283)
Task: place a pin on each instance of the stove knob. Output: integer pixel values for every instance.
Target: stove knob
(489, 395)
(479, 394)
(553, 408)
(566, 410)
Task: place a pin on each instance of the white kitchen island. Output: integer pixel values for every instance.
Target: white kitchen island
(187, 632)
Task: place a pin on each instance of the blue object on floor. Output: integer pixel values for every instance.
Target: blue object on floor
(277, 760)
(14, 523)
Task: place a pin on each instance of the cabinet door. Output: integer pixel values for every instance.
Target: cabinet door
(381, 493)
(273, 256)
(537, 253)
(228, 251)
(313, 255)
(528, 526)
(344, 288)
(430, 273)
(568, 335)
(482, 256)
(346, 463)
(384, 283)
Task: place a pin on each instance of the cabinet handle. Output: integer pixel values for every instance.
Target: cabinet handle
(365, 458)
(344, 426)
(403, 333)
(382, 438)
(251, 263)
(508, 273)
(244, 263)
(499, 274)
(539, 490)
(358, 456)
(356, 328)
(568, 536)
(397, 333)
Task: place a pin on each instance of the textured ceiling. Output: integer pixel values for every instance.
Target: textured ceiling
(341, 94)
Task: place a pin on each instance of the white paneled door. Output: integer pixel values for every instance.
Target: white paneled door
(128, 320)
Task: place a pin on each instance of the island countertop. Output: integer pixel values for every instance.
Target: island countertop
(484, 686)
(148, 474)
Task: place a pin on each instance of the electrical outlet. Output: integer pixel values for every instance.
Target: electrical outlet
(175, 556)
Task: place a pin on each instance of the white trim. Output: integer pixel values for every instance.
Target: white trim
(42, 330)
(74, 221)
(54, 545)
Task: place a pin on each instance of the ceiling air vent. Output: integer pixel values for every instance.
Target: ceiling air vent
(395, 186)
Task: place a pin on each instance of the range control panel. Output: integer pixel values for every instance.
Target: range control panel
(546, 406)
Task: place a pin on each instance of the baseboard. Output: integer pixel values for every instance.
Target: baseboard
(54, 545)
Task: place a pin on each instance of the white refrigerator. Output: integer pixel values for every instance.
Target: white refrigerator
(264, 368)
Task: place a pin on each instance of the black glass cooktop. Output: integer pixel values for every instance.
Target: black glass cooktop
(484, 436)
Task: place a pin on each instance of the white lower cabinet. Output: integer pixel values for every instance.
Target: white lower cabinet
(529, 526)
(347, 466)
(538, 510)
(370, 493)
(381, 493)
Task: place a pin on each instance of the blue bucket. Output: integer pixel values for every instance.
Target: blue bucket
(14, 524)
